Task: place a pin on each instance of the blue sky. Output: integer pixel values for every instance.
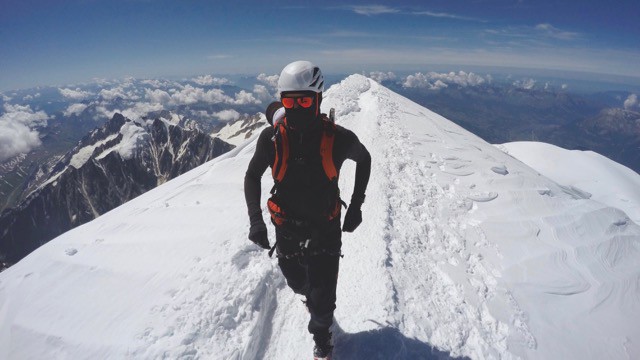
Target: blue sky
(61, 42)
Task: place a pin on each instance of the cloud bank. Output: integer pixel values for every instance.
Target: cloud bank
(209, 80)
(117, 92)
(187, 96)
(631, 102)
(437, 81)
(140, 110)
(76, 94)
(271, 80)
(74, 109)
(191, 95)
(526, 84)
(380, 76)
(227, 115)
(17, 130)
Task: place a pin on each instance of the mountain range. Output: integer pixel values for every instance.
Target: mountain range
(113, 164)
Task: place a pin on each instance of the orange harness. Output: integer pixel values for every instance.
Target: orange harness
(279, 169)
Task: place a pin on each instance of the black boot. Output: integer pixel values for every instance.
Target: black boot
(323, 348)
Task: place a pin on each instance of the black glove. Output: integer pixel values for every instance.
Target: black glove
(354, 215)
(258, 234)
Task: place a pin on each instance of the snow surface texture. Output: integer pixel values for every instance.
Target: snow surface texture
(603, 179)
(463, 252)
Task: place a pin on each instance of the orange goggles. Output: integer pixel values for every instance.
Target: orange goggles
(304, 101)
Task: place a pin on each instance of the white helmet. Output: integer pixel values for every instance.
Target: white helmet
(301, 76)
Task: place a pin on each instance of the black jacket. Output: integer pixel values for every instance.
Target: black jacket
(305, 190)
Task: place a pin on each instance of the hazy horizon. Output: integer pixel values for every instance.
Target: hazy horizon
(71, 41)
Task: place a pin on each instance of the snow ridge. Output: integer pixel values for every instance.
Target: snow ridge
(437, 302)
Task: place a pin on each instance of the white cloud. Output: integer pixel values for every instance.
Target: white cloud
(271, 80)
(76, 94)
(380, 76)
(461, 78)
(110, 94)
(417, 80)
(439, 84)
(189, 95)
(157, 96)
(631, 102)
(103, 112)
(445, 15)
(551, 31)
(245, 98)
(101, 81)
(526, 84)
(564, 86)
(373, 10)
(17, 133)
(437, 81)
(74, 109)
(209, 80)
(227, 115)
(24, 115)
(152, 82)
(140, 110)
(262, 93)
(200, 113)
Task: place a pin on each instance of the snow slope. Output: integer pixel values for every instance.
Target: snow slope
(607, 181)
(464, 251)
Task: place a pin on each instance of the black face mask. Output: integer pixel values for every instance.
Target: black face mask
(301, 119)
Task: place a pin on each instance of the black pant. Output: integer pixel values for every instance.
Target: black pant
(313, 272)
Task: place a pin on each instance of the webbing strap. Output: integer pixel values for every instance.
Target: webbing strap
(326, 150)
(281, 144)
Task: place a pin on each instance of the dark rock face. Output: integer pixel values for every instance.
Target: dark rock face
(77, 192)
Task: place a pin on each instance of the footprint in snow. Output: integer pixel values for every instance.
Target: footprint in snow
(546, 192)
(71, 251)
(483, 197)
(502, 170)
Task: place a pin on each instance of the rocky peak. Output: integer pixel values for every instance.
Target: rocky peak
(110, 166)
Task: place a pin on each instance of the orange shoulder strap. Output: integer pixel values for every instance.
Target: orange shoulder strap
(281, 143)
(326, 150)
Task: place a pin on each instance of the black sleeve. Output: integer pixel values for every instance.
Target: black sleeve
(358, 153)
(252, 187)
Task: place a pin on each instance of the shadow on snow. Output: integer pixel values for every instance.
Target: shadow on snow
(384, 343)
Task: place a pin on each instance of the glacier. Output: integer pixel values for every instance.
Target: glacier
(464, 252)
